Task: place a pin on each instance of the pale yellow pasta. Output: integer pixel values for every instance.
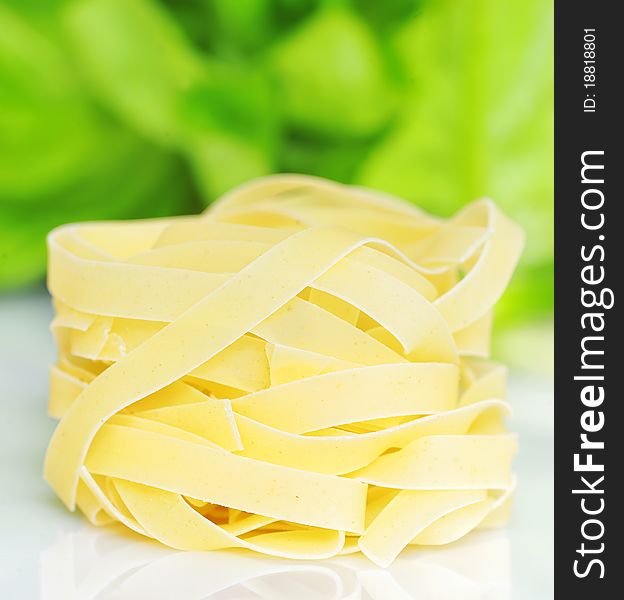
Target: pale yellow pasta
(301, 371)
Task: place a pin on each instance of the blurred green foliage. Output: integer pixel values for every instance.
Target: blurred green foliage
(127, 108)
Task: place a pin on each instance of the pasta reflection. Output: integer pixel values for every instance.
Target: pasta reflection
(113, 564)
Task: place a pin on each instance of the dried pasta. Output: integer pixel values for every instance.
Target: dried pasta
(302, 371)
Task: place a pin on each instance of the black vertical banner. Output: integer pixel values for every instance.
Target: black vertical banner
(589, 266)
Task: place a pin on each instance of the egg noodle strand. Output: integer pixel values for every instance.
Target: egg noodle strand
(301, 371)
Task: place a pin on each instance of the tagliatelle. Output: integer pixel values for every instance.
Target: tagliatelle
(301, 371)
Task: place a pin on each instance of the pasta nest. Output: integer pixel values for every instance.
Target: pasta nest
(302, 371)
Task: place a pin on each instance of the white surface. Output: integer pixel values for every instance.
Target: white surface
(49, 554)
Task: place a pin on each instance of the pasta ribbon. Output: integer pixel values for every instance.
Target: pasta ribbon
(302, 371)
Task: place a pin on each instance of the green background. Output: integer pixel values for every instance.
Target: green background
(134, 108)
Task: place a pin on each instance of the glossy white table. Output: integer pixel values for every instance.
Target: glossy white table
(47, 553)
